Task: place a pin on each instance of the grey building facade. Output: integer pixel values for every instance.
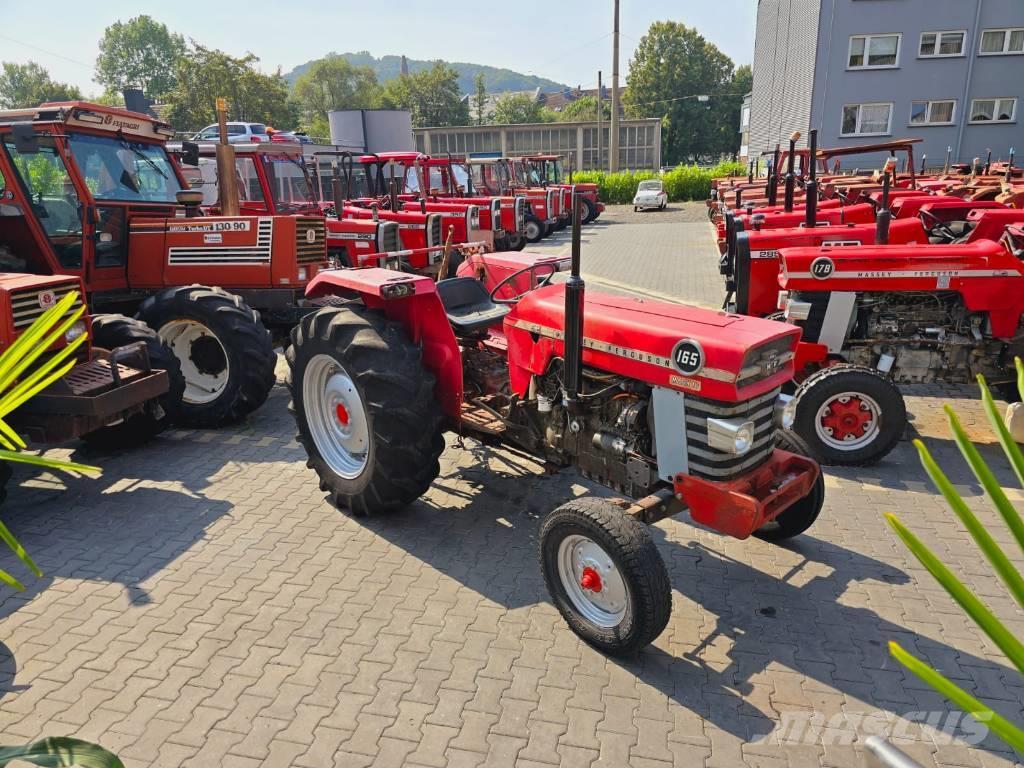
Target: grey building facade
(950, 72)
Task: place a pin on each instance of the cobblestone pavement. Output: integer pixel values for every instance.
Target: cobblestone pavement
(202, 605)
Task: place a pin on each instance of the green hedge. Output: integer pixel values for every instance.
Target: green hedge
(686, 182)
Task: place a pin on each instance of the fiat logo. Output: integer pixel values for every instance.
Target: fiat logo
(310, 235)
(47, 299)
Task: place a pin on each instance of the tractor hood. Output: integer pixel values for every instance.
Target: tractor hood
(717, 355)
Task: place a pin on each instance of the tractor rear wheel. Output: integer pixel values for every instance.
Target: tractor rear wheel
(800, 516)
(535, 229)
(605, 575)
(849, 415)
(225, 352)
(112, 331)
(365, 409)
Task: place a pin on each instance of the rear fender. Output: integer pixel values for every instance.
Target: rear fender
(411, 300)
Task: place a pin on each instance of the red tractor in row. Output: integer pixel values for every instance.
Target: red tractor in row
(547, 170)
(926, 296)
(112, 208)
(676, 407)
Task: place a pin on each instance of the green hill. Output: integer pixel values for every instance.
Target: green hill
(497, 79)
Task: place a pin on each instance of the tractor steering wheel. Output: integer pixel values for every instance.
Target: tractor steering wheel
(938, 224)
(546, 280)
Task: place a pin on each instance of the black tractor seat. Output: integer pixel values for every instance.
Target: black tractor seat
(468, 305)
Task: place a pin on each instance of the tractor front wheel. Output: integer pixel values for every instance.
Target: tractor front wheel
(516, 241)
(588, 211)
(112, 331)
(801, 515)
(225, 352)
(535, 229)
(849, 415)
(605, 575)
(364, 405)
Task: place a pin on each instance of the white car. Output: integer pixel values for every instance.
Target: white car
(650, 194)
(238, 133)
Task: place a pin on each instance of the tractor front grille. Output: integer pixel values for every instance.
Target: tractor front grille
(815, 321)
(435, 230)
(713, 464)
(310, 249)
(27, 304)
(388, 240)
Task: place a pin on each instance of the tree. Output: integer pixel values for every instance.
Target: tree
(480, 99)
(332, 83)
(203, 74)
(29, 85)
(673, 63)
(517, 108)
(140, 51)
(584, 108)
(432, 96)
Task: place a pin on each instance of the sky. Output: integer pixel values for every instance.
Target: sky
(567, 41)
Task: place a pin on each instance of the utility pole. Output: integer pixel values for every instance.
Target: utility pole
(599, 164)
(613, 139)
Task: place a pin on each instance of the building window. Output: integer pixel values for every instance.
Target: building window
(995, 42)
(874, 51)
(936, 44)
(932, 112)
(993, 110)
(866, 119)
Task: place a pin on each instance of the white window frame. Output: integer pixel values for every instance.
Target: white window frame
(867, 50)
(861, 105)
(938, 44)
(993, 121)
(928, 110)
(1007, 32)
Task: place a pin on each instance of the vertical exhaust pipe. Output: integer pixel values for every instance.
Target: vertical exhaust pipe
(811, 208)
(790, 174)
(739, 199)
(988, 160)
(924, 158)
(773, 179)
(574, 295)
(1009, 167)
(884, 215)
(750, 172)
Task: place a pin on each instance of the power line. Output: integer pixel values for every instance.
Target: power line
(48, 53)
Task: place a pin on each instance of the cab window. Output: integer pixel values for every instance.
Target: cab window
(123, 170)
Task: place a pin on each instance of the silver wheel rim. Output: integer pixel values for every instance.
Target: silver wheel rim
(342, 440)
(202, 384)
(868, 405)
(605, 606)
(532, 231)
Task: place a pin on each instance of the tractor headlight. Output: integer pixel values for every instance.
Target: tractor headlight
(731, 435)
(74, 331)
(302, 273)
(785, 411)
(797, 310)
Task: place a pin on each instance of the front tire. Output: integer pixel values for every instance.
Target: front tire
(535, 229)
(112, 331)
(801, 515)
(605, 575)
(365, 409)
(588, 211)
(516, 242)
(849, 415)
(225, 352)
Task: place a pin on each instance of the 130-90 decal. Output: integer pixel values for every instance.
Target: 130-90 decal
(212, 226)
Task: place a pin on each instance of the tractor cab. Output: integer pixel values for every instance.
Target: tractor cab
(271, 177)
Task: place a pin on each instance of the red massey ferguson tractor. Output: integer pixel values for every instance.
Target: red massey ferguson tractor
(112, 208)
(875, 316)
(548, 171)
(674, 406)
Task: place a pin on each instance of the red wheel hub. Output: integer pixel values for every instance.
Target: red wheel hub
(342, 413)
(851, 419)
(591, 580)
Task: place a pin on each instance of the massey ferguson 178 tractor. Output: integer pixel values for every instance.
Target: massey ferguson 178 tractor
(876, 316)
(547, 170)
(112, 208)
(674, 406)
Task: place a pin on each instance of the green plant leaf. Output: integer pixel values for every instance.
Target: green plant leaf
(61, 752)
(8, 538)
(1010, 447)
(10, 581)
(42, 461)
(984, 714)
(993, 553)
(1020, 376)
(975, 608)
